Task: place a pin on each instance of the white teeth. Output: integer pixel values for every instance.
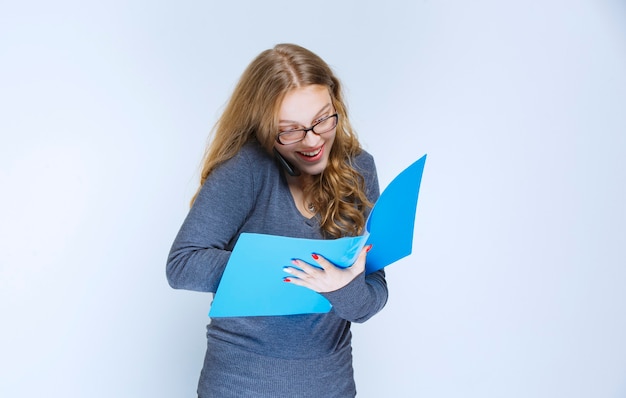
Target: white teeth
(311, 153)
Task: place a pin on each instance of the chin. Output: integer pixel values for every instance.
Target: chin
(314, 170)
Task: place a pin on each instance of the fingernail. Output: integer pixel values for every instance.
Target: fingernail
(294, 262)
(287, 269)
(315, 256)
(286, 280)
(368, 248)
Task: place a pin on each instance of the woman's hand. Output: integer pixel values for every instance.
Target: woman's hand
(330, 277)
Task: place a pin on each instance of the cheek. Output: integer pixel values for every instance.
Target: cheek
(330, 141)
(280, 149)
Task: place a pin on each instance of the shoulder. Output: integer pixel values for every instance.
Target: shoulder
(242, 174)
(251, 159)
(255, 153)
(364, 160)
(364, 164)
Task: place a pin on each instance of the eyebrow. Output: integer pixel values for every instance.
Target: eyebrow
(324, 109)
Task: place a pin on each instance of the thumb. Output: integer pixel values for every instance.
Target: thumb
(359, 265)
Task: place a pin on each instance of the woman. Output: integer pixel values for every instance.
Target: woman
(283, 161)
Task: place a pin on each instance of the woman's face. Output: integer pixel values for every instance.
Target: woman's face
(301, 108)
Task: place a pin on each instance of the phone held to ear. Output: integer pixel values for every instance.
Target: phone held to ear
(292, 171)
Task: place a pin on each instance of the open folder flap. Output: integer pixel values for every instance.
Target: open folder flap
(392, 220)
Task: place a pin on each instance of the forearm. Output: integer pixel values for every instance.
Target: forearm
(361, 299)
(198, 269)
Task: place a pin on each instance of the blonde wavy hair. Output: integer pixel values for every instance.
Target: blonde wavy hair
(252, 113)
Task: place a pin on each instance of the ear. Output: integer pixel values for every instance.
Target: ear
(292, 171)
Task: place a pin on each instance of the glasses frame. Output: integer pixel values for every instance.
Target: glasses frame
(312, 129)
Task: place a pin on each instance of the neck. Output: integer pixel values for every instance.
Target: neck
(300, 181)
(296, 186)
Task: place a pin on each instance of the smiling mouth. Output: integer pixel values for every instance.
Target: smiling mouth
(311, 154)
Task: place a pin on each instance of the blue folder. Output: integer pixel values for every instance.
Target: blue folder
(252, 284)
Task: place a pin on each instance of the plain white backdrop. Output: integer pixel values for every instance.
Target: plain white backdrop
(516, 287)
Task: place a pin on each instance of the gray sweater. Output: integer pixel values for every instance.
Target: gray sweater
(305, 355)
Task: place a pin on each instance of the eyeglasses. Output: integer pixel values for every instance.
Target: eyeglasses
(296, 135)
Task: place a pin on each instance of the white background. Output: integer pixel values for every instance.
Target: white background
(517, 284)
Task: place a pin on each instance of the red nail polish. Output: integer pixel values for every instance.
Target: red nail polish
(286, 280)
(315, 256)
(368, 248)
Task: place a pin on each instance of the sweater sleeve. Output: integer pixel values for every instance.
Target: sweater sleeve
(365, 295)
(360, 299)
(203, 245)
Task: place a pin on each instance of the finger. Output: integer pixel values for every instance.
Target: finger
(298, 282)
(298, 278)
(365, 250)
(307, 267)
(293, 280)
(359, 265)
(318, 258)
(294, 272)
(301, 269)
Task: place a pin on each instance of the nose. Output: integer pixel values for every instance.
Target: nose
(311, 139)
